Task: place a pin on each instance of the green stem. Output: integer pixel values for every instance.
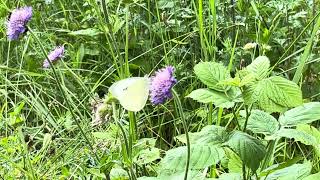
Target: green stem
(219, 116)
(127, 153)
(65, 96)
(244, 130)
(244, 171)
(210, 120)
(184, 123)
(306, 53)
(271, 147)
(6, 88)
(233, 50)
(127, 71)
(132, 128)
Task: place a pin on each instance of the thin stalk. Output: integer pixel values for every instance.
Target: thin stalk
(306, 53)
(210, 120)
(184, 123)
(214, 25)
(6, 88)
(133, 128)
(64, 95)
(244, 130)
(127, 154)
(233, 50)
(201, 29)
(244, 171)
(219, 116)
(127, 71)
(271, 147)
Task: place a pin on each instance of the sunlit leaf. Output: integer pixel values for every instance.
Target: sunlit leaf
(274, 94)
(262, 122)
(211, 73)
(303, 114)
(201, 156)
(259, 67)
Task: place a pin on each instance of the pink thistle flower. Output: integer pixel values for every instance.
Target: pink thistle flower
(53, 56)
(161, 85)
(17, 22)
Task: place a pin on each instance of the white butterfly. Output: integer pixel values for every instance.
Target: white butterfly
(132, 93)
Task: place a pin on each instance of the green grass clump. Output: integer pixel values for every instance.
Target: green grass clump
(244, 104)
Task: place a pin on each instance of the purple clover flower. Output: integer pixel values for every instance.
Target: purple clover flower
(53, 56)
(16, 24)
(161, 85)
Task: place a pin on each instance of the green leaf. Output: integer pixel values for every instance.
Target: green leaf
(86, 32)
(247, 147)
(234, 162)
(118, 173)
(315, 176)
(202, 156)
(303, 114)
(262, 122)
(296, 171)
(313, 132)
(212, 135)
(194, 175)
(209, 135)
(211, 73)
(274, 94)
(259, 67)
(219, 99)
(297, 135)
(230, 176)
(146, 156)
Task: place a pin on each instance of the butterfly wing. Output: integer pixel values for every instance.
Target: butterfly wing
(132, 93)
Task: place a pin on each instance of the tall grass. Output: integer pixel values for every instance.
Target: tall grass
(45, 123)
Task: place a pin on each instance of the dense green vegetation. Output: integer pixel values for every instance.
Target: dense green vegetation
(234, 89)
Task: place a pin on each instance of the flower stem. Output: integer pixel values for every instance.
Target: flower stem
(65, 96)
(184, 123)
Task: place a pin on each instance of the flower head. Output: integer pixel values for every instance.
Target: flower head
(161, 85)
(249, 46)
(17, 22)
(53, 56)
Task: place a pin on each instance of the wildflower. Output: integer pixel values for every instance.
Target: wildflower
(54, 55)
(16, 24)
(249, 46)
(161, 85)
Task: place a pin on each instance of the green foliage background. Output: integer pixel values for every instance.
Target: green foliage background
(248, 86)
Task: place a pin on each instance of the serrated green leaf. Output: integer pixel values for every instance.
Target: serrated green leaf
(297, 135)
(262, 122)
(296, 171)
(219, 99)
(303, 114)
(211, 73)
(209, 135)
(202, 156)
(274, 94)
(212, 135)
(247, 147)
(259, 67)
